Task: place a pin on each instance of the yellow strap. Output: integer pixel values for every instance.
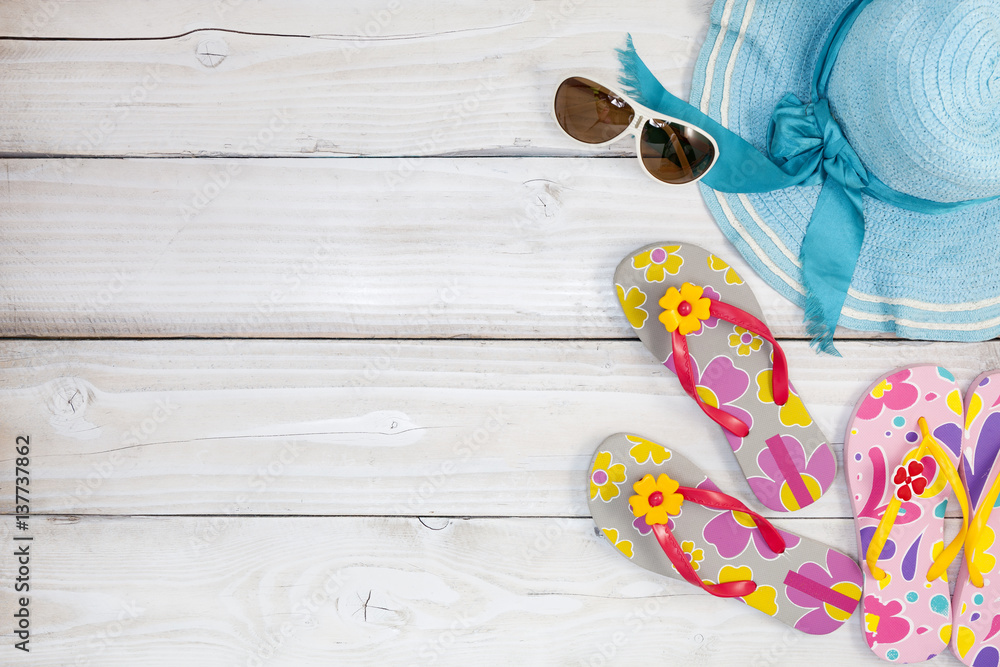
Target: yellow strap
(927, 445)
(881, 536)
(974, 538)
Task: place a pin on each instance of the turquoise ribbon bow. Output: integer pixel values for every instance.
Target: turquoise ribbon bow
(807, 147)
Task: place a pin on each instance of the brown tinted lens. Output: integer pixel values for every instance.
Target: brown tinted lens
(675, 153)
(589, 112)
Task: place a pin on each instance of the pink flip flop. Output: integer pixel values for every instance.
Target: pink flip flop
(976, 638)
(901, 454)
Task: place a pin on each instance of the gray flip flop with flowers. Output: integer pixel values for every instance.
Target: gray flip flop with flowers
(662, 512)
(700, 320)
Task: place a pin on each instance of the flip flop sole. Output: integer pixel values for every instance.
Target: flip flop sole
(976, 636)
(905, 617)
(810, 587)
(785, 456)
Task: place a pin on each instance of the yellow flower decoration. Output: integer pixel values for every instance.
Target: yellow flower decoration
(685, 309)
(645, 450)
(658, 262)
(762, 598)
(605, 477)
(694, 555)
(630, 302)
(657, 499)
(744, 341)
(716, 264)
(793, 412)
(625, 546)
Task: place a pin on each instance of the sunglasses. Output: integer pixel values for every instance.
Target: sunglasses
(671, 150)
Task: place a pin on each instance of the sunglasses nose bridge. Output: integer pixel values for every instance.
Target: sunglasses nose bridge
(639, 120)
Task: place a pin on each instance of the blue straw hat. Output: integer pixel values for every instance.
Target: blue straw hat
(884, 115)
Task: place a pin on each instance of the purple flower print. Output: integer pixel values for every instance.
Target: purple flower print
(833, 592)
(893, 392)
(979, 464)
(731, 532)
(644, 528)
(721, 383)
(818, 474)
(711, 322)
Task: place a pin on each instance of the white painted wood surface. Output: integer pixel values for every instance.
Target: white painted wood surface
(436, 247)
(291, 410)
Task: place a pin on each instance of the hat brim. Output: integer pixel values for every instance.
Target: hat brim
(933, 277)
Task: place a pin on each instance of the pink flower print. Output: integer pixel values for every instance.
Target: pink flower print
(721, 384)
(731, 532)
(838, 585)
(909, 480)
(644, 528)
(816, 474)
(882, 623)
(893, 393)
(711, 322)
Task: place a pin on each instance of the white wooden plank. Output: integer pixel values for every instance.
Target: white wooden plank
(372, 77)
(480, 247)
(294, 591)
(419, 428)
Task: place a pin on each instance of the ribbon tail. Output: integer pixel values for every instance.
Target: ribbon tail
(740, 167)
(830, 251)
(635, 78)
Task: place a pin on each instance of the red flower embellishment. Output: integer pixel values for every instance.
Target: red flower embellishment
(909, 480)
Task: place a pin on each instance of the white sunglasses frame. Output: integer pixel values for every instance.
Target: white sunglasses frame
(642, 116)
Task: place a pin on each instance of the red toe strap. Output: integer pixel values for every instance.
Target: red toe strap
(685, 373)
(741, 318)
(678, 558)
(729, 589)
(721, 501)
(682, 364)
